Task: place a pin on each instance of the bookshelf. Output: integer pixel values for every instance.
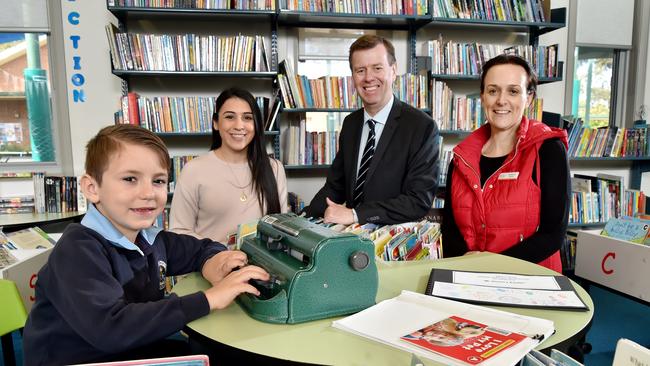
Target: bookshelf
(415, 22)
(199, 72)
(202, 52)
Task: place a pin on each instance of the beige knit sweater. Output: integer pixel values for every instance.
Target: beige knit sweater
(208, 197)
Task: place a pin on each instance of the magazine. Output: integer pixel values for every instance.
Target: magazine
(463, 340)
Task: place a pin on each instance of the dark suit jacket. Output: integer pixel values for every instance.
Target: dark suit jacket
(403, 174)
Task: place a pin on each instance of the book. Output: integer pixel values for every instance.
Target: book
(506, 289)
(628, 228)
(391, 319)
(31, 238)
(464, 340)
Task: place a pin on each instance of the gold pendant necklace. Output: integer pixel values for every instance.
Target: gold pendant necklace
(242, 197)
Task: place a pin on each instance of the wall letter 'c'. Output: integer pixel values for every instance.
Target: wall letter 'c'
(73, 18)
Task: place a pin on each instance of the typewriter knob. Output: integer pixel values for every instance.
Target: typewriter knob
(359, 260)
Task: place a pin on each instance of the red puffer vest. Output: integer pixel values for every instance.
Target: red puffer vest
(506, 209)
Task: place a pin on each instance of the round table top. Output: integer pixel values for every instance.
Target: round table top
(318, 342)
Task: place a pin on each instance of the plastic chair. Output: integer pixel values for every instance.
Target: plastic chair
(13, 318)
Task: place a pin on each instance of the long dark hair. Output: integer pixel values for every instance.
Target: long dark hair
(264, 180)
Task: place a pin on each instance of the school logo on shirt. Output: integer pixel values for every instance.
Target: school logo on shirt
(162, 274)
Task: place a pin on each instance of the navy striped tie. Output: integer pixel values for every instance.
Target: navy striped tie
(368, 152)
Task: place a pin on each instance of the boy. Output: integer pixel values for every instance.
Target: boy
(100, 296)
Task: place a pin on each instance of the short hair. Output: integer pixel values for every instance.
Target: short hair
(505, 59)
(369, 41)
(110, 140)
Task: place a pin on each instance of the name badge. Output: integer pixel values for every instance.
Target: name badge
(508, 176)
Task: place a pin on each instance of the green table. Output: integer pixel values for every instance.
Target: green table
(317, 342)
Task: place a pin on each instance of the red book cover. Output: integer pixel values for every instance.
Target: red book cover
(134, 116)
(463, 340)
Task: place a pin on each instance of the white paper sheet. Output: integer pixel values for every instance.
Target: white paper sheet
(390, 319)
(508, 296)
(506, 280)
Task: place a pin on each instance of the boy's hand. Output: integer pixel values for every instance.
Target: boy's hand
(224, 292)
(218, 267)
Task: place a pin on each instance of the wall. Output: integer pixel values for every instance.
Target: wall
(100, 88)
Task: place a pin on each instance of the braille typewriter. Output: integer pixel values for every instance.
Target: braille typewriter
(314, 272)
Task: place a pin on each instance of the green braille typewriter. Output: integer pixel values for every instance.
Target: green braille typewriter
(315, 272)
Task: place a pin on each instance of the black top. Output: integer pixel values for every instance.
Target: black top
(94, 299)
(554, 209)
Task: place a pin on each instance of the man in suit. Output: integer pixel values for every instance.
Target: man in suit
(386, 169)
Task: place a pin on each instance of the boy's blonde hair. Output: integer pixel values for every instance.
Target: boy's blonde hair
(110, 140)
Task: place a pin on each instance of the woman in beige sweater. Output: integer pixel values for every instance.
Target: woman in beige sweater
(236, 182)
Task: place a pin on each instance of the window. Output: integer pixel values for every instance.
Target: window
(593, 95)
(25, 108)
(324, 52)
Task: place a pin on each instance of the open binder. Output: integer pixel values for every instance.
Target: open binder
(391, 319)
(505, 289)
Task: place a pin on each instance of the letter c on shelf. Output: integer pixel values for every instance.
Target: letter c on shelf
(605, 258)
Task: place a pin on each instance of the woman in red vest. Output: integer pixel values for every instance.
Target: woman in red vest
(508, 184)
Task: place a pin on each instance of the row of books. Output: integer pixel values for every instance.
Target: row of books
(445, 159)
(197, 4)
(608, 142)
(296, 203)
(452, 58)
(501, 10)
(326, 92)
(17, 204)
(186, 52)
(568, 252)
(452, 111)
(595, 199)
(635, 203)
(392, 7)
(298, 91)
(181, 114)
(167, 114)
(57, 194)
(304, 147)
(412, 89)
(178, 163)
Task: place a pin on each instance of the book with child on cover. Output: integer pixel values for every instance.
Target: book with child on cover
(463, 340)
